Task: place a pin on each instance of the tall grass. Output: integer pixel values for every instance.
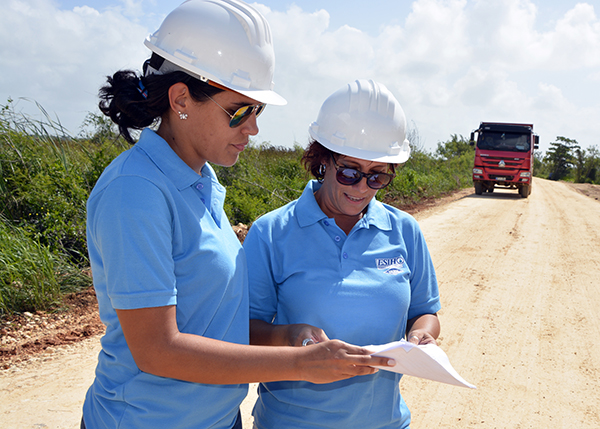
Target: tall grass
(425, 176)
(45, 179)
(31, 276)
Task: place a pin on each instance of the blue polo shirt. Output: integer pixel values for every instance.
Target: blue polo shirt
(158, 236)
(361, 288)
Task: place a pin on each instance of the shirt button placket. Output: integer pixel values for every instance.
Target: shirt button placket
(199, 187)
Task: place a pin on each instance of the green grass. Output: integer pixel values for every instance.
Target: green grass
(31, 276)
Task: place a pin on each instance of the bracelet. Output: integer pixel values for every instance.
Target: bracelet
(306, 341)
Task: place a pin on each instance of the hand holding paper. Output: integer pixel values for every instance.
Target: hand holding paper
(427, 361)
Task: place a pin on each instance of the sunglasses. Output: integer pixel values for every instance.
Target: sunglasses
(350, 176)
(242, 114)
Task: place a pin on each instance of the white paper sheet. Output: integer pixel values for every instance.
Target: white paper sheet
(425, 361)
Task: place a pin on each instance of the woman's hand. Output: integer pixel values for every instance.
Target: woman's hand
(423, 329)
(335, 360)
(419, 338)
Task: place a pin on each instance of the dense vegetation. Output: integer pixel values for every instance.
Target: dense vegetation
(566, 160)
(46, 177)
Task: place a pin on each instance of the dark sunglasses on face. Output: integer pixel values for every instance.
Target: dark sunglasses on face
(241, 114)
(350, 176)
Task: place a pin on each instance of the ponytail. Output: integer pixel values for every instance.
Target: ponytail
(136, 102)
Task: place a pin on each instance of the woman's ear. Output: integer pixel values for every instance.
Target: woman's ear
(179, 97)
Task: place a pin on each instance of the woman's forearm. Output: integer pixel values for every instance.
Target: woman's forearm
(267, 334)
(159, 348)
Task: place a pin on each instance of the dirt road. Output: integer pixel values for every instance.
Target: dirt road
(520, 286)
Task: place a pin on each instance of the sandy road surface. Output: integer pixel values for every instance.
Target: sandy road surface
(520, 285)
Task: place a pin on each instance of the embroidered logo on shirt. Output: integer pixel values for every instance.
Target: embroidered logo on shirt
(392, 266)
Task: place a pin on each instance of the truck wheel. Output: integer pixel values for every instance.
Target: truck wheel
(478, 188)
(490, 190)
(524, 191)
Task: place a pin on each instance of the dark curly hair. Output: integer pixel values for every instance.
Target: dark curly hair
(315, 155)
(135, 102)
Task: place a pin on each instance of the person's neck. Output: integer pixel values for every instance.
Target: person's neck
(345, 222)
(167, 133)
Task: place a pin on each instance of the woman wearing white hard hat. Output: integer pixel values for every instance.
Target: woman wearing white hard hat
(343, 263)
(169, 272)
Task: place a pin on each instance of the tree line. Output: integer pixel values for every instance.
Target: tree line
(566, 160)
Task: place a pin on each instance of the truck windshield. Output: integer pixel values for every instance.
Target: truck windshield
(498, 140)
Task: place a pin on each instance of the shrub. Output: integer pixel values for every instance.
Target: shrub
(264, 178)
(45, 179)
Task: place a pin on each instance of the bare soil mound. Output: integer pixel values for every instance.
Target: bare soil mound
(25, 335)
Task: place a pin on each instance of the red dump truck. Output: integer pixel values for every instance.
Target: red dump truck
(503, 156)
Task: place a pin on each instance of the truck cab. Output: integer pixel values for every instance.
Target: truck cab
(503, 156)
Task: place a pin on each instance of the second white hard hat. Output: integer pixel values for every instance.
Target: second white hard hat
(225, 41)
(363, 120)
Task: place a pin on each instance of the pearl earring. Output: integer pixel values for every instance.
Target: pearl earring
(183, 116)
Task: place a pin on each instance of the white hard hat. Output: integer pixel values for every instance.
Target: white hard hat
(225, 41)
(363, 120)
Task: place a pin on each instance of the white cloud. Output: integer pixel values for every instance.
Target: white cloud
(436, 33)
(503, 31)
(576, 40)
(60, 58)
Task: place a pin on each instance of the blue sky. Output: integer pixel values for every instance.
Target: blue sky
(450, 63)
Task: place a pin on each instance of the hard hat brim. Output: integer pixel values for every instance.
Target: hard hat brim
(367, 155)
(262, 96)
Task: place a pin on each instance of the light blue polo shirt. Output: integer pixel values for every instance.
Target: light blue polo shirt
(361, 288)
(158, 236)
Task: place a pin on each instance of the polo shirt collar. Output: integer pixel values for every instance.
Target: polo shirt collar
(378, 216)
(309, 212)
(170, 163)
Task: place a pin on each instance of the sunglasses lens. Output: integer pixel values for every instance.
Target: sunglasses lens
(378, 181)
(240, 116)
(243, 113)
(348, 176)
(260, 108)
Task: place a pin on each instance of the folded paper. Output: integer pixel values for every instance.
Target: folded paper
(424, 361)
